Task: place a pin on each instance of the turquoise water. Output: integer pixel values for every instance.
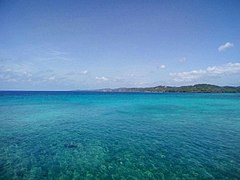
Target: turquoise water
(76, 135)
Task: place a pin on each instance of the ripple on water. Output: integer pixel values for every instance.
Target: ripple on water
(119, 136)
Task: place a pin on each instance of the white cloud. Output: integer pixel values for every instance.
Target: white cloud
(214, 71)
(183, 60)
(21, 74)
(51, 78)
(84, 72)
(163, 66)
(225, 46)
(57, 53)
(14, 74)
(76, 73)
(102, 78)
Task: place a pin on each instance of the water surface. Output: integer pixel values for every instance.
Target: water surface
(80, 135)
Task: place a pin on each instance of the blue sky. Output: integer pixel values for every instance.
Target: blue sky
(64, 45)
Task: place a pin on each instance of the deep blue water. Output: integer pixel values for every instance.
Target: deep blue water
(77, 135)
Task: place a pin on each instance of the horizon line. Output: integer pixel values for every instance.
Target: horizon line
(237, 86)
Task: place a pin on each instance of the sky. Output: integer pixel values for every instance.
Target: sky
(68, 45)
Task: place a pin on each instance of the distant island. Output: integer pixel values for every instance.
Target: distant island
(197, 88)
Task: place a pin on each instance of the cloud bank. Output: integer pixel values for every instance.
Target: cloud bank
(214, 71)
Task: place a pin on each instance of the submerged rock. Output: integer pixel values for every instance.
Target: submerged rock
(70, 146)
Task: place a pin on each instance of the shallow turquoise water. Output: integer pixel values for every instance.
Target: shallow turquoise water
(73, 135)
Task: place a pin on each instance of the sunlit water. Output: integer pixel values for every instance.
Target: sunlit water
(76, 135)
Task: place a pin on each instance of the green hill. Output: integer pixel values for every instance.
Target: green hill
(198, 88)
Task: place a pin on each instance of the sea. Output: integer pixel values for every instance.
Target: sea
(97, 135)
